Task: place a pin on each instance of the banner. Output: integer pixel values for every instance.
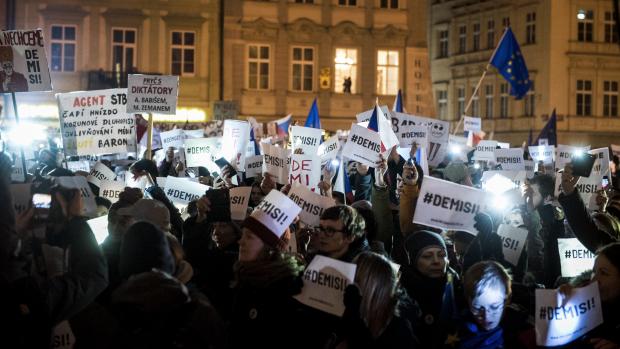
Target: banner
(183, 191)
(542, 153)
(202, 151)
(21, 196)
(253, 166)
(312, 204)
(96, 122)
(329, 149)
(447, 205)
(325, 280)
(510, 159)
(472, 124)
(235, 140)
(363, 146)
(99, 173)
(239, 200)
(24, 64)
(574, 257)
(88, 198)
(111, 189)
(513, 241)
(558, 324)
(152, 93)
(82, 165)
(173, 138)
(485, 151)
(305, 170)
(306, 138)
(564, 154)
(276, 162)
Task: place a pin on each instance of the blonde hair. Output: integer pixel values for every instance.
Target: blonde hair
(483, 275)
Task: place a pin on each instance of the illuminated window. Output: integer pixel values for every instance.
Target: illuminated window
(443, 43)
(63, 44)
(585, 27)
(491, 33)
(183, 53)
(389, 4)
(503, 100)
(529, 102)
(347, 2)
(387, 72)
(488, 89)
(258, 67)
(476, 37)
(460, 101)
(302, 69)
(462, 39)
(345, 70)
(584, 97)
(123, 49)
(611, 33)
(530, 28)
(442, 104)
(610, 98)
(475, 102)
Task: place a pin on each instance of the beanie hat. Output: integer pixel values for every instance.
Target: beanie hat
(421, 240)
(148, 210)
(145, 247)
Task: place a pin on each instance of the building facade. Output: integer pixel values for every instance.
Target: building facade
(94, 44)
(572, 53)
(281, 54)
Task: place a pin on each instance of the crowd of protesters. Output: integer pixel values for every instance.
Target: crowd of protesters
(169, 279)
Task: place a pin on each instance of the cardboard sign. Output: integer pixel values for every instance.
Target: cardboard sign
(276, 212)
(448, 205)
(574, 257)
(253, 166)
(21, 196)
(306, 138)
(485, 151)
(235, 141)
(202, 151)
(99, 173)
(276, 162)
(472, 123)
(99, 226)
(329, 149)
(239, 200)
(312, 204)
(325, 280)
(510, 159)
(513, 241)
(152, 93)
(88, 198)
(174, 138)
(305, 170)
(111, 189)
(363, 145)
(82, 165)
(564, 155)
(183, 191)
(23, 53)
(544, 153)
(557, 324)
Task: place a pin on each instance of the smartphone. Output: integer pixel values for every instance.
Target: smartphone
(582, 165)
(222, 163)
(42, 201)
(220, 205)
(605, 182)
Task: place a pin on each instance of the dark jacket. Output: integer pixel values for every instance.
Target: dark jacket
(176, 221)
(470, 336)
(552, 220)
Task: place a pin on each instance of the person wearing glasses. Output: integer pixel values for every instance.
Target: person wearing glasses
(341, 234)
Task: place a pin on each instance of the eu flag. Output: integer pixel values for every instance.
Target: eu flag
(510, 63)
(313, 116)
(550, 131)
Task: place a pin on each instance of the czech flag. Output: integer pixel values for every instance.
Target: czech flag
(383, 127)
(282, 125)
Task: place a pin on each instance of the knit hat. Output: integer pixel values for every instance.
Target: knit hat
(271, 218)
(145, 247)
(148, 210)
(421, 240)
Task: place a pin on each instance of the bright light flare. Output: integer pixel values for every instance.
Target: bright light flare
(24, 133)
(498, 185)
(455, 149)
(578, 153)
(335, 163)
(581, 15)
(500, 202)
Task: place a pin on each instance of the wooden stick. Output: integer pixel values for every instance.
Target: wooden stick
(149, 138)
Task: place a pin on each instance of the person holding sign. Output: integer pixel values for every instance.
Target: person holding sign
(340, 234)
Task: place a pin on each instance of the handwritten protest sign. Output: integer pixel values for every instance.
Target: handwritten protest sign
(173, 138)
(82, 165)
(558, 324)
(574, 257)
(236, 136)
(325, 280)
(88, 198)
(312, 204)
(305, 170)
(202, 151)
(472, 123)
(447, 205)
(276, 162)
(183, 191)
(21, 196)
(100, 172)
(485, 151)
(152, 93)
(329, 149)
(544, 153)
(111, 189)
(510, 159)
(253, 166)
(239, 200)
(25, 68)
(513, 241)
(306, 138)
(363, 145)
(96, 122)
(564, 154)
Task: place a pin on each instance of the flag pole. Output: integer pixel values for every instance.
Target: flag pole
(149, 138)
(21, 147)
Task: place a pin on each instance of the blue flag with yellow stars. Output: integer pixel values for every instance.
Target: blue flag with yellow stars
(510, 63)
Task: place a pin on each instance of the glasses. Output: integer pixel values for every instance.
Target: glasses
(329, 232)
(491, 310)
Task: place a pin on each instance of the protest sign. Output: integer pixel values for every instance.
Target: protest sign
(253, 166)
(22, 54)
(224, 110)
(96, 122)
(413, 134)
(558, 324)
(574, 257)
(306, 138)
(111, 189)
(329, 149)
(62, 335)
(18, 172)
(447, 205)
(305, 170)
(437, 141)
(193, 133)
(276, 212)
(183, 191)
(510, 159)
(276, 162)
(564, 154)
(529, 168)
(173, 138)
(140, 183)
(99, 226)
(544, 153)
(513, 241)
(363, 145)
(485, 151)
(202, 151)
(88, 198)
(325, 280)
(236, 136)
(21, 196)
(152, 93)
(503, 145)
(500, 181)
(588, 187)
(82, 165)
(458, 147)
(100, 172)
(239, 200)
(472, 123)
(312, 204)
(366, 115)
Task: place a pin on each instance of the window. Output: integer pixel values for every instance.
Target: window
(488, 108)
(304, 1)
(585, 27)
(503, 100)
(442, 104)
(347, 2)
(258, 67)
(610, 98)
(302, 69)
(389, 4)
(490, 34)
(584, 97)
(443, 43)
(475, 102)
(387, 72)
(506, 22)
(529, 102)
(460, 101)
(530, 28)
(183, 51)
(346, 68)
(123, 49)
(611, 33)
(476, 37)
(462, 39)
(63, 44)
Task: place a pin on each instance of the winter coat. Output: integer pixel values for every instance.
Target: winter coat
(361, 185)
(383, 214)
(552, 220)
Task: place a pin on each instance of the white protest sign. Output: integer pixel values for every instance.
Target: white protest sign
(458, 147)
(18, 173)
(253, 166)
(564, 154)
(438, 141)
(82, 165)
(99, 173)
(306, 138)
(366, 115)
(500, 181)
(325, 280)
(312, 204)
(574, 257)
(161, 182)
(88, 198)
(472, 123)
(413, 134)
(152, 93)
(329, 149)
(22, 52)
(173, 138)
(513, 241)
(239, 199)
(510, 159)
(485, 151)
(544, 153)
(62, 335)
(503, 145)
(111, 189)
(193, 133)
(235, 141)
(448, 205)
(21, 196)
(140, 183)
(529, 168)
(363, 145)
(558, 324)
(276, 212)
(276, 162)
(202, 151)
(99, 226)
(183, 191)
(305, 170)
(96, 122)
